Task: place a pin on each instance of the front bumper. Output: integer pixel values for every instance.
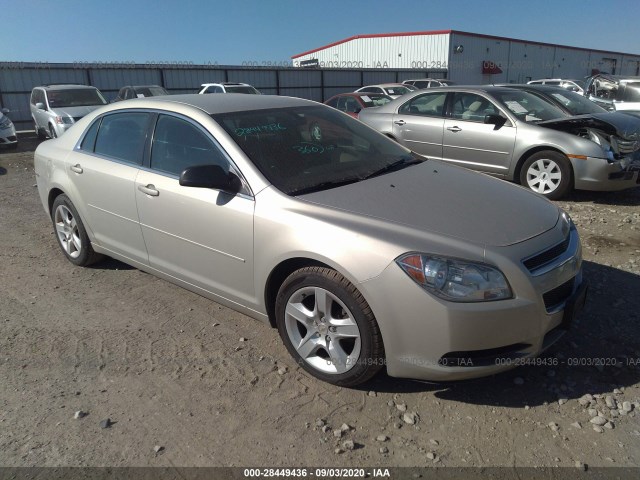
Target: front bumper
(8, 136)
(426, 338)
(599, 175)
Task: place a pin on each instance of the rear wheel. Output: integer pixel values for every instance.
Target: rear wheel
(71, 234)
(547, 173)
(328, 327)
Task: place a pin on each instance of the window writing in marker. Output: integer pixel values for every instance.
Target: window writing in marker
(272, 127)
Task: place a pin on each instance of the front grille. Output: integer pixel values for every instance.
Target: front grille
(556, 297)
(547, 256)
(626, 147)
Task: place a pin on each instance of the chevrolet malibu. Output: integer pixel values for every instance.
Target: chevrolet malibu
(362, 254)
(515, 135)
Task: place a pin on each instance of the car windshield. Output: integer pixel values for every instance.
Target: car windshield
(240, 89)
(150, 91)
(373, 100)
(80, 97)
(528, 107)
(577, 104)
(305, 149)
(400, 90)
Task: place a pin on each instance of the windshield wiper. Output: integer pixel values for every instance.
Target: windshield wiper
(397, 165)
(325, 186)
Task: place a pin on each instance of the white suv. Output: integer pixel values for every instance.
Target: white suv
(228, 87)
(56, 108)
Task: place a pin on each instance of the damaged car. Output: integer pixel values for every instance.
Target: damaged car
(515, 135)
(614, 92)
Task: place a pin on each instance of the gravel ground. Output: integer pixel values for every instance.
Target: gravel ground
(179, 387)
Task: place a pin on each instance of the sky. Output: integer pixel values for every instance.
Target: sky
(236, 32)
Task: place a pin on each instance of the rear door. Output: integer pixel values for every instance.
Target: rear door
(419, 122)
(103, 169)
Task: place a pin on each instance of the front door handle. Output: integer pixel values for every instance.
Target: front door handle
(454, 129)
(149, 190)
(400, 122)
(76, 168)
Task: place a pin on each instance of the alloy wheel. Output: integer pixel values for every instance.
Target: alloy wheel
(322, 330)
(67, 231)
(544, 176)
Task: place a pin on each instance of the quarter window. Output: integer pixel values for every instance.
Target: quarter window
(178, 144)
(89, 140)
(427, 105)
(122, 136)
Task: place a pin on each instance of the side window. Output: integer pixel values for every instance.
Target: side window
(422, 84)
(89, 140)
(122, 136)
(428, 105)
(472, 107)
(122, 93)
(333, 102)
(352, 105)
(178, 144)
(342, 104)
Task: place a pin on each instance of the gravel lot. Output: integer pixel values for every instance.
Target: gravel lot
(169, 369)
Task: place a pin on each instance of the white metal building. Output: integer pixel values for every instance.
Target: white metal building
(469, 57)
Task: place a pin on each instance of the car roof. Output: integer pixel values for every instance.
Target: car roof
(390, 84)
(225, 84)
(232, 102)
(429, 79)
(63, 86)
(361, 94)
(144, 86)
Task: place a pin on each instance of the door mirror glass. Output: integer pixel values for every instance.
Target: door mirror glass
(210, 176)
(497, 120)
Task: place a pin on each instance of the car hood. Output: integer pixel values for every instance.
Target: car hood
(622, 124)
(447, 200)
(75, 112)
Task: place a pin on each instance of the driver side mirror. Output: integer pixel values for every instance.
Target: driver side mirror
(5, 110)
(210, 176)
(40, 106)
(497, 120)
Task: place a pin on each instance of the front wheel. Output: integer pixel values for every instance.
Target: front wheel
(328, 327)
(71, 234)
(547, 173)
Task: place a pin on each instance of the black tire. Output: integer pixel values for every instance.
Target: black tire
(52, 132)
(85, 254)
(532, 174)
(371, 355)
(40, 132)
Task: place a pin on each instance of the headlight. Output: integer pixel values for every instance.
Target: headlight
(455, 280)
(608, 148)
(66, 120)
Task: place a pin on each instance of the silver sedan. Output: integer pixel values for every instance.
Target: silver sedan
(515, 135)
(362, 254)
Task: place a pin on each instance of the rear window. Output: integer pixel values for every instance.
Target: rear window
(398, 90)
(373, 100)
(241, 89)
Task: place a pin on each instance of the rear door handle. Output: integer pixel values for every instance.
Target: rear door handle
(149, 190)
(400, 122)
(454, 129)
(76, 168)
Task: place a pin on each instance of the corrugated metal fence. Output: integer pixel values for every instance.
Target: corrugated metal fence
(17, 79)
